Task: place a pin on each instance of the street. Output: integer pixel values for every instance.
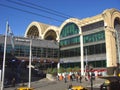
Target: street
(45, 84)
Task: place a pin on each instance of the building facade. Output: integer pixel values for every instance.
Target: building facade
(100, 38)
(43, 51)
(91, 41)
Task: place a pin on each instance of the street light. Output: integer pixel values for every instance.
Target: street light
(82, 57)
(30, 63)
(86, 61)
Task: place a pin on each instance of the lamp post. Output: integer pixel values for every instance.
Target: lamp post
(86, 60)
(91, 80)
(30, 63)
(30, 54)
(81, 49)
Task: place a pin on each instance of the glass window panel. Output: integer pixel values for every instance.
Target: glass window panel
(98, 63)
(69, 29)
(94, 37)
(70, 41)
(93, 26)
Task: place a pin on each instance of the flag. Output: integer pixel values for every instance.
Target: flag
(9, 31)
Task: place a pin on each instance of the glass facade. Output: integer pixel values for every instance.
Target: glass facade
(23, 51)
(101, 63)
(70, 41)
(91, 50)
(98, 36)
(70, 37)
(92, 26)
(94, 37)
(70, 52)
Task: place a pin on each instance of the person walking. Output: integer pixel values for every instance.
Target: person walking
(65, 78)
(80, 77)
(13, 82)
(86, 76)
(76, 76)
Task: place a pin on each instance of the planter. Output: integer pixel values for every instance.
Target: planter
(50, 77)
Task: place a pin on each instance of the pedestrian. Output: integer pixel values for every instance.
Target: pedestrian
(93, 75)
(57, 77)
(80, 77)
(86, 76)
(71, 78)
(13, 82)
(65, 78)
(76, 76)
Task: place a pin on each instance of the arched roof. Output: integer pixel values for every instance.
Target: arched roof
(36, 26)
(43, 30)
(110, 15)
(51, 31)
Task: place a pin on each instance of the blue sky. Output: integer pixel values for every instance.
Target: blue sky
(19, 20)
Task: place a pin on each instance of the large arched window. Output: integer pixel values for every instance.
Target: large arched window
(69, 29)
(117, 24)
(69, 35)
(117, 28)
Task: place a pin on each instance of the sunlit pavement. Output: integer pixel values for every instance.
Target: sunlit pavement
(45, 84)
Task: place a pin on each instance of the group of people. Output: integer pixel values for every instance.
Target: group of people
(75, 77)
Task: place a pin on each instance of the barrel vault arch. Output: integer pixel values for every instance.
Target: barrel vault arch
(51, 33)
(35, 29)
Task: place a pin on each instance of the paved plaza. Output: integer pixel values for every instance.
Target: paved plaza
(45, 84)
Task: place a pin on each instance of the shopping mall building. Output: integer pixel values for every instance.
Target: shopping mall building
(93, 41)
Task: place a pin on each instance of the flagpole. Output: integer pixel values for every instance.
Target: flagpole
(4, 56)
